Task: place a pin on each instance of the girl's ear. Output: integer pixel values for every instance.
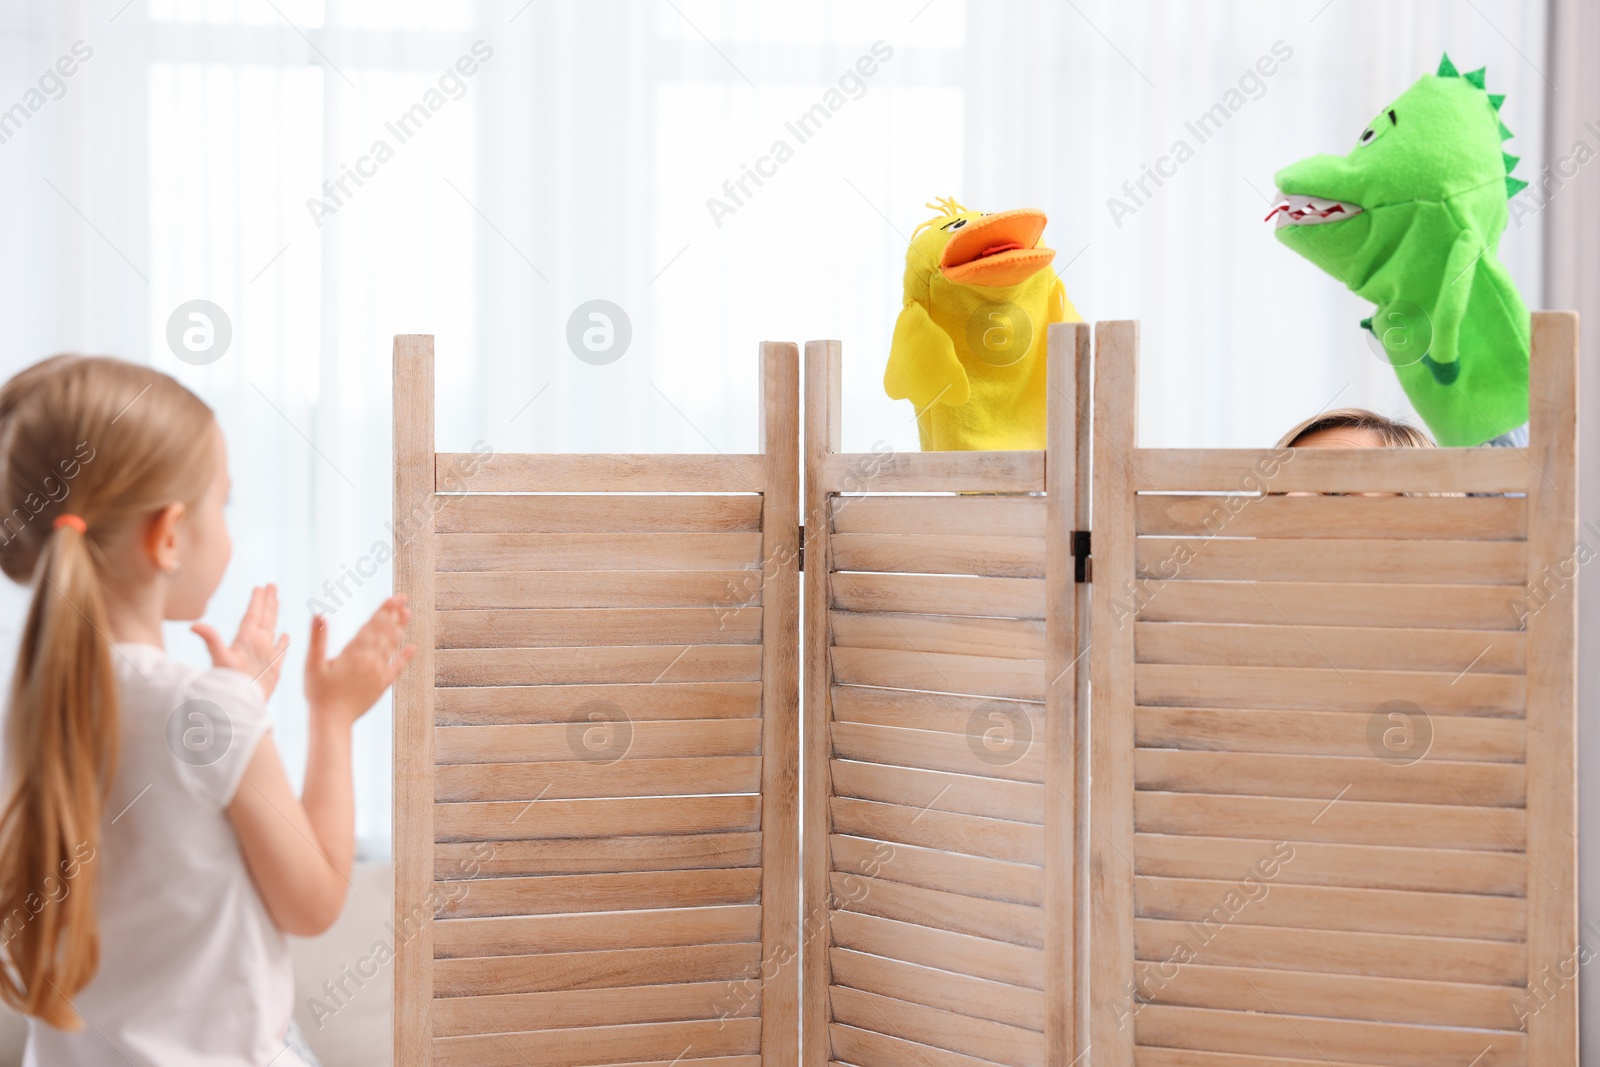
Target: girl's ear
(161, 537)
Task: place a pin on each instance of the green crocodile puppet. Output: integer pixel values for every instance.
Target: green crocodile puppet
(1410, 220)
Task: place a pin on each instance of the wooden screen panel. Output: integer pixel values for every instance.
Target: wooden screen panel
(940, 860)
(596, 807)
(1332, 745)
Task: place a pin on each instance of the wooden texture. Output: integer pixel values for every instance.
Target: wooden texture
(822, 441)
(1552, 686)
(943, 644)
(1333, 745)
(597, 777)
(780, 705)
(414, 503)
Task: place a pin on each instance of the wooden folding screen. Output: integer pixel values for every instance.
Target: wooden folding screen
(596, 790)
(941, 654)
(1333, 709)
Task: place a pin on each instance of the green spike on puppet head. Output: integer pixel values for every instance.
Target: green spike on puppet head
(1447, 69)
(1496, 99)
(1476, 77)
(1514, 186)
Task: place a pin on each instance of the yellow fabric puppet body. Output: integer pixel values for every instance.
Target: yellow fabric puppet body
(969, 346)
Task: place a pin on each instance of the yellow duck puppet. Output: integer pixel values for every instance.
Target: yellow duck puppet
(969, 346)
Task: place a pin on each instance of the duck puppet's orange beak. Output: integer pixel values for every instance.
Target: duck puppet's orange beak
(997, 250)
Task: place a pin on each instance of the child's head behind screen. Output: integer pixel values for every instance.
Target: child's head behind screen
(109, 472)
(1354, 428)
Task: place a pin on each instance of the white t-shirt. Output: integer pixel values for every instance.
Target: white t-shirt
(193, 971)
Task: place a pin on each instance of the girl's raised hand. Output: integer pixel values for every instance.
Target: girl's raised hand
(347, 685)
(255, 650)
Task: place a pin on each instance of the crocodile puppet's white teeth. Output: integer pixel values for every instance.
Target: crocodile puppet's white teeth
(1294, 210)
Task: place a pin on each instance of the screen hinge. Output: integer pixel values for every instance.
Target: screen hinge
(802, 552)
(1081, 572)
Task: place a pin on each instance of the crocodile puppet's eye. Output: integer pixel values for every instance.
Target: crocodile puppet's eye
(1377, 128)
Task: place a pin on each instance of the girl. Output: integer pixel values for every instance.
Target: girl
(152, 853)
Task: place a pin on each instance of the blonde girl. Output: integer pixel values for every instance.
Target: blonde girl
(153, 855)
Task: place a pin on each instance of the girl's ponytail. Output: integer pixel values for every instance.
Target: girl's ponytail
(90, 450)
(51, 821)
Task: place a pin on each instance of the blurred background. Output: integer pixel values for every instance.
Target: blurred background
(328, 173)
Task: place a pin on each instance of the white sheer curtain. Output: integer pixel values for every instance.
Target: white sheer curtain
(576, 163)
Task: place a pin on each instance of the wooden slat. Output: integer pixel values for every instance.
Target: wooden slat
(1476, 518)
(1438, 959)
(516, 820)
(941, 869)
(1427, 781)
(1342, 647)
(1008, 753)
(941, 791)
(560, 472)
(1327, 689)
(560, 1009)
(1006, 638)
(822, 438)
(601, 1044)
(939, 989)
(1354, 866)
(716, 589)
(549, 894)
(1325, 1040)
(932, 472)
(496, 975)
(939, 594)
(1010, 1046)
(1552, 683)
(602, 855)
(545, 627)
(1330, 560)
(509, 705)
(997, 961)
(597, 551)
(1012, 516)
(598, 513)
(940, 672)
(536, 934)
(573, 779)
(1393, 1000)
(1268, 901)
(1111, 846)
(413, 698)
(1331, 733)
(966, 834)
(603, 739)
(645, 664)
(995, 920)
(991, 556)
(1348, 821)
(944, 712)
(852, 1045)
(1336, 603)
(780, 698)
(1322, 470)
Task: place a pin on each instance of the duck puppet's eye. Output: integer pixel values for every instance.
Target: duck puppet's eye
(956, 225)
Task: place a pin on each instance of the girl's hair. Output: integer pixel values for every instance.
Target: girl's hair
(1392, 432)
(111, 443)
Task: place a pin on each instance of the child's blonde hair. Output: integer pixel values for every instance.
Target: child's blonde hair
(107, 444)
(1392, 432)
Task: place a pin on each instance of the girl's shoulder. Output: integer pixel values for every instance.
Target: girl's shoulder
(211, 719)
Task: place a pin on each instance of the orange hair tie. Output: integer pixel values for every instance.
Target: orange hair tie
(74, 521)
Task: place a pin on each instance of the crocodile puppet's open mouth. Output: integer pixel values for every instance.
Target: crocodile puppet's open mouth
(997, 250)
(1296, 210)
